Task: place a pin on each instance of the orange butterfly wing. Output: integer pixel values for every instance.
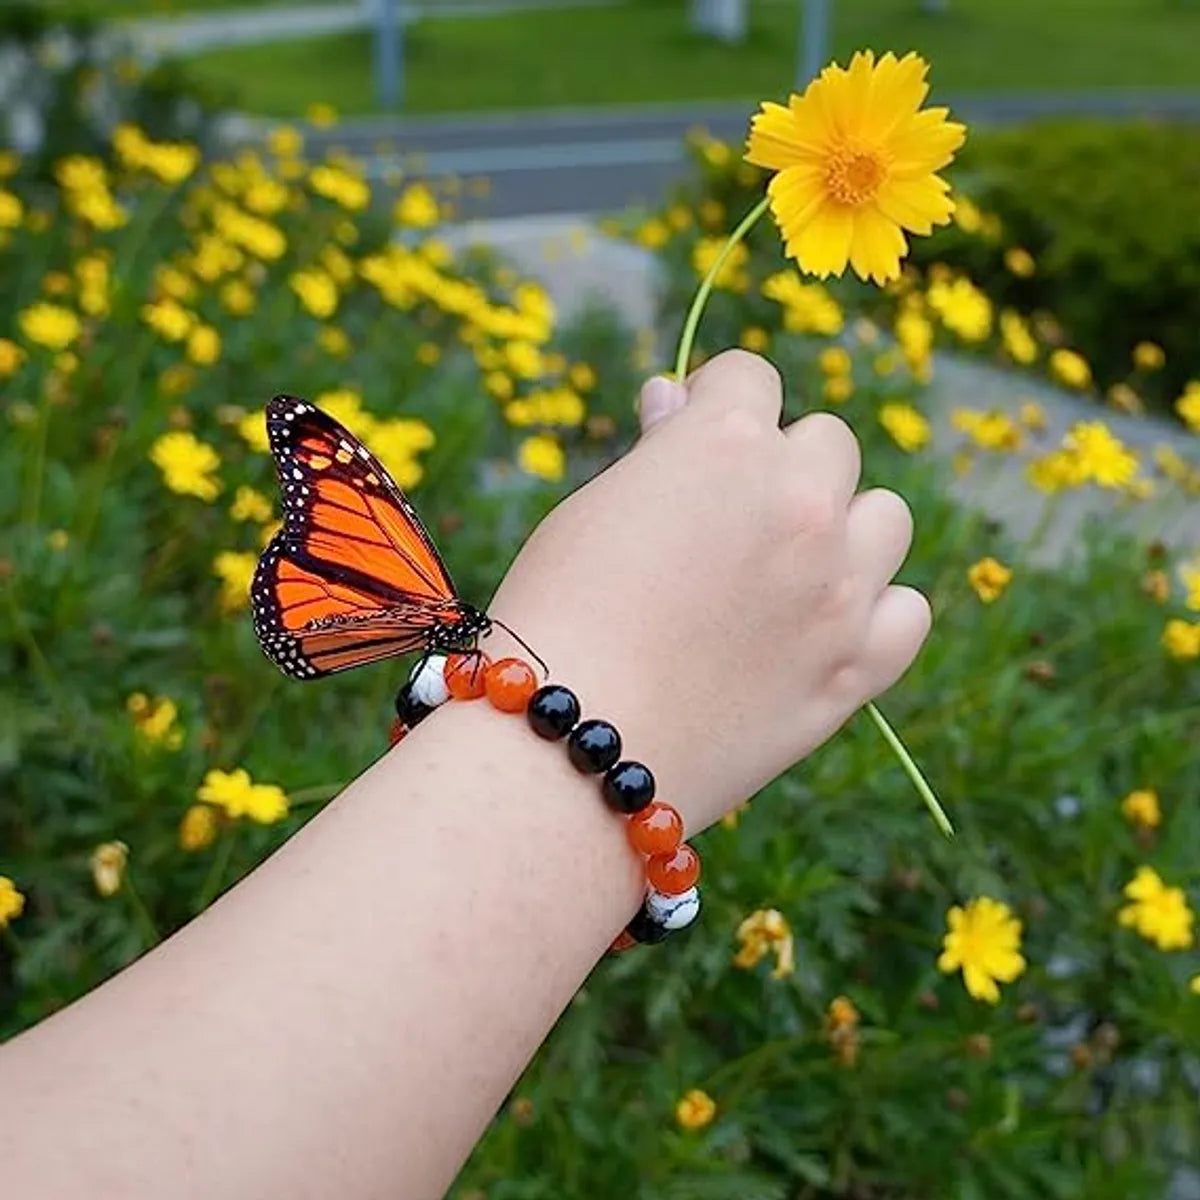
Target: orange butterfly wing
(352, 577)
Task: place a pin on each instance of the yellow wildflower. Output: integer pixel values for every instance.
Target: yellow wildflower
(652, 233)
(1019, 343)
(429, 354)
(1189, 576)
(1194, 985)
(732, 276)
(988, 579)
(966, 215)
(914, 333)
(983, 941)
(235, 569)
(838, 389)
(285, 141)
(988, 430)
(266, 197)
(1158, 913)
(253, 234)
(237, 297)
(766, 931)
(12, 902)
(417, 207)
(524, 359)
(907, 427)
(238, 796)
(187, 464)
(204, 345)
(350, 191)
(49, 325)
(1188, 405)
(11, 210)
(1181, 639)
(1070, 369)
(582, 377)
(1123, 398)
(1149, 356)
(1102, 457)
(249, 504)
(11, 357)
(108, 867)
(1157, 585)
(807, 307)
(856, 162)
(1141, 808)
(198, 827)
(695, 1110)
(1019, 261)
(345, 405)
(542, 455)
(962, 308)
(155, 720)
(317, 291)
(1056, 471)
(754, 338)
(321, 115)
(841, 1030)
(835, 360)
(169, 319)
(171, 162)
(396, 443)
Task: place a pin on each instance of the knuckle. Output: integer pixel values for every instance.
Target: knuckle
(807, 510)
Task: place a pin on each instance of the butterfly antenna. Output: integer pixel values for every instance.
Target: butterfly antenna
(516, 636)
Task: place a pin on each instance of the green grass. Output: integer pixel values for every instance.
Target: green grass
(643, 52)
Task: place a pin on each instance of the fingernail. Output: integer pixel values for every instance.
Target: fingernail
(660, 396)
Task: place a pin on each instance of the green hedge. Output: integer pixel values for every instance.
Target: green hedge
(1111, 215)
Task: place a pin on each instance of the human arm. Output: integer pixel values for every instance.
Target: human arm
(346, 1020)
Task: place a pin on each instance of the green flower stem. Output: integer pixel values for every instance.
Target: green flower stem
(682, 357)
(141, 912)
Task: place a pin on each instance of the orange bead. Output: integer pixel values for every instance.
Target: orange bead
(397, 732)
(673, 873)
(624, 942)
(657, 829)
(465, 675)
(509, 683)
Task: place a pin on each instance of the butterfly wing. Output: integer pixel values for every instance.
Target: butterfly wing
(352, 576)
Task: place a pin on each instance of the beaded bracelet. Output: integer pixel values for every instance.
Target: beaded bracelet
(654, 829)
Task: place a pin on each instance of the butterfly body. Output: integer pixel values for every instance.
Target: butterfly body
(352, 576)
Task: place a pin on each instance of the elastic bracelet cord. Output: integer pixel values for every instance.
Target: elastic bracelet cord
(654, 829)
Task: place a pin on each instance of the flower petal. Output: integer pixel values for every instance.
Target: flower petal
(821, 245)
(876, 247)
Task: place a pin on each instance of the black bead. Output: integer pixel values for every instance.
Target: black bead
(628, 787)
(553, 711)
(594, 746)
(409, 709)
(645, 929)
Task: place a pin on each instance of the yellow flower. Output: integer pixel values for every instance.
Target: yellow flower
(582, 377)
(966, 215)
(988, 579)
(428, 354)
(542, 455)
(108, 867)
(1123, 398)
(732, 276)
(1181, 639)
(10, 163)
(984, 941)
(1056, 471)
(962, 307)
(1194, 985)
(11, 210)
(1141, 808)
(172, 162)
(907, 427)
(807, 307)
(914, 334)
(333, 341)
(187, 464)
(841, 1029)
(764, 932)
(754, 338)
(169, 319)
(266, 197)
(346, 406)
(285, 141)
(12, 903)
(154, 719)
(835, 360)
(989, 430)
(339, 185)
(198, 827)
(204, 345)
(1188, 406)
(1071, 369)
(235, 569)
(253, 430)
(524, 359)
(1157, 585)
(652, 233)
(321, 115)
(1018, 342)
(250, 505)
(695, 1110)
(856, 163)
(1019, 261)
(237, 297)
(1189, 576)
(1033, 416)
(838, 389)
(317, 291)
(417, 207)
(1148, 356)
(1158, 913)
(11, 357)
(396, 444)
(235, 793)
(1102, 458)
(49, 325)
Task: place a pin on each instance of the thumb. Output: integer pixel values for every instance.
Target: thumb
(659, 398)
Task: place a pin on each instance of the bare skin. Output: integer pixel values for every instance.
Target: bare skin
(347, 1020)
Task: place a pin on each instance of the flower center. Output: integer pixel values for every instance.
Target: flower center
(853, 176)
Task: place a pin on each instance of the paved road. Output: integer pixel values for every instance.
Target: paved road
(601, 160)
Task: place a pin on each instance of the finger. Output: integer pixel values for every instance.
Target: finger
(659, 398)
(879, 529)
(825, 451)
(898, 625)
(737, 379)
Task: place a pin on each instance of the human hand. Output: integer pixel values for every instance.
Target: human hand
(721, 594)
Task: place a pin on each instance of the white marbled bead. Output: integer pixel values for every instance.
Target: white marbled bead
(673, 912)
(429, 682)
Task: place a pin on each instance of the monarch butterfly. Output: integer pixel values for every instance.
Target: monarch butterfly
(352, 576)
